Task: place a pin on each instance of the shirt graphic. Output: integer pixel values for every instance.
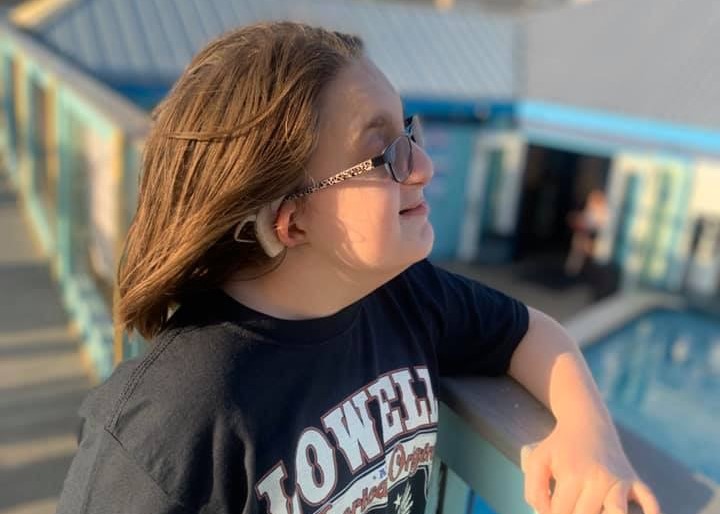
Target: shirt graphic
(390, 459)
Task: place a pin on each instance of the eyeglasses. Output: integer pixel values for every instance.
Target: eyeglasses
(397, 158)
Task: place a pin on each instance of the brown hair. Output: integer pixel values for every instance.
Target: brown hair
(235, 133)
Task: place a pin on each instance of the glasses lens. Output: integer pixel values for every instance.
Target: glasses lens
(400, 158)
(415, 131)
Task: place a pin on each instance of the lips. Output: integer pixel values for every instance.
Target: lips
(420, 207)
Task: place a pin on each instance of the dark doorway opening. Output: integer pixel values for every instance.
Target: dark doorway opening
(556, 183)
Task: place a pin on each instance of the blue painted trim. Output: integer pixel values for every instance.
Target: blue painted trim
(478, 505)
(146, 96)
(38, 157)
(480, 465)
(457, 494)
(10, 135)
(87, 308)
(449, 108)
(619, 126)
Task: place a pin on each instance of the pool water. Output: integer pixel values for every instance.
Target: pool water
(660, 376)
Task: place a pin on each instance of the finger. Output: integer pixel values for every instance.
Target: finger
(565, 496)
(617, 499)
(591, 499)
(642, 494)
(525, 453)
(537, 485)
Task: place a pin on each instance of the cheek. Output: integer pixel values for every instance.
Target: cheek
(361, 225)
(370, 218)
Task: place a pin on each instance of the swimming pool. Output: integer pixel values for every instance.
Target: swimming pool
(660, 376)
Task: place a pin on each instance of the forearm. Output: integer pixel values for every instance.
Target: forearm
(583, 455)
(549, 364)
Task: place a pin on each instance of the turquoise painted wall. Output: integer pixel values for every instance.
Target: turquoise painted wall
(450, 147)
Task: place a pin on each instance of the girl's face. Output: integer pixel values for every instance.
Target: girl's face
(369, 222)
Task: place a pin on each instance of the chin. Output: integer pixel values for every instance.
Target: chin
(425, 242)
(418, 250)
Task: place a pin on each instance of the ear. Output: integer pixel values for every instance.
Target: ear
(288, 228)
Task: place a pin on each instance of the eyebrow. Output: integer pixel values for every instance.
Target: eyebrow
(379, 121)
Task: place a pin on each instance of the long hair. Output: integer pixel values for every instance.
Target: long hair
(236, 132)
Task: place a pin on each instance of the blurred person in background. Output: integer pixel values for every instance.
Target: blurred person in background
(586, 226)
(277, 264)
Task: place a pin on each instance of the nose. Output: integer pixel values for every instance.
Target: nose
(423, 169)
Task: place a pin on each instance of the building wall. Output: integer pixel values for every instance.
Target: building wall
(664, 226)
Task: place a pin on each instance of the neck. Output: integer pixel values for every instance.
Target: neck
(298, 290)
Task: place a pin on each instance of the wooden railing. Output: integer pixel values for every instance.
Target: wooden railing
(484, 423)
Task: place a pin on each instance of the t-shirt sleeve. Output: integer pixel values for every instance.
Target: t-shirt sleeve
(477, 328)
(108, 476)
(104, 479)
(157, 439)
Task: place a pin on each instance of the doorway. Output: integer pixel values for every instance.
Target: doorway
(555, 184)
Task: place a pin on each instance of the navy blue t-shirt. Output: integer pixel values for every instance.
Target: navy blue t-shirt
(234, 411)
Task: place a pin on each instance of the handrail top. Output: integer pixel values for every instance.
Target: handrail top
(502, 412)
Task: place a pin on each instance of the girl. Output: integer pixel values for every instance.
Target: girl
(277, 262)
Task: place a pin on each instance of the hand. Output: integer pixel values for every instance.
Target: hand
(591, 473)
